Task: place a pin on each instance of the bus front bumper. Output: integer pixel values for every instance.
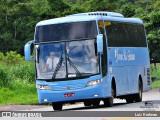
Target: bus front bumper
(86, 93)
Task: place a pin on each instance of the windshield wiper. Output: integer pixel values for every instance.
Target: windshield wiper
(59, 64)
(76, 69)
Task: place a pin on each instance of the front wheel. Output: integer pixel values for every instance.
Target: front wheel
(57, 106)
(87, 103)
(108, 102)
(95, 102)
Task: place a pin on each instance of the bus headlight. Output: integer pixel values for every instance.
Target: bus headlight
(94, 82)
(43, 87)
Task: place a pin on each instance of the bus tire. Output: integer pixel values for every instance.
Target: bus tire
(87, 103)
(95, 102)
(138, 96)
(130, 99)
(57, 106)
(108, 102)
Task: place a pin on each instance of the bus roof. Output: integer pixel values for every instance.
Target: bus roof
(91, 16)
(101, 13)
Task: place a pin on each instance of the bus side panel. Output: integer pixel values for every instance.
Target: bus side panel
(126, 79)
(128, 64)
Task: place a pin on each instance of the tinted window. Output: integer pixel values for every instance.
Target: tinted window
(66, 31)
(125, 35)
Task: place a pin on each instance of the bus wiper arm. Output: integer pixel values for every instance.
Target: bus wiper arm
(59, 64)
(76, 69)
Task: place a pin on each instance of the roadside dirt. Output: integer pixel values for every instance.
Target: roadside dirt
(20, 107)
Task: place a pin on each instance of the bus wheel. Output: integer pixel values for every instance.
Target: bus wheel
(57, 106)
(87, 103)
(108, 102)
(129, 100)
(95, 102)
(138, 96)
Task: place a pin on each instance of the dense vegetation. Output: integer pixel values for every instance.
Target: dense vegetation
(17, 22)
(19, 17)
(17, 81)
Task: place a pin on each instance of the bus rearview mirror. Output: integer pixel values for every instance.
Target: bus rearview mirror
(27, 50)
(100, 43)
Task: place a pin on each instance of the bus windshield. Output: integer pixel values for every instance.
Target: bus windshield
(66, 60)
(66, 31)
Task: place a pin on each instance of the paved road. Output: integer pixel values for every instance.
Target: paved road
(152, 98)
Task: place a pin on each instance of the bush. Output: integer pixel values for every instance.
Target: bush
(5, 77)
(155, 72)
(1, 56)
(24, 71)
(17, 80)
(13, 58)
(24, 85)
(12, 67)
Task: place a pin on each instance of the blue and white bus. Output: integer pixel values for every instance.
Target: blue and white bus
(99, 56)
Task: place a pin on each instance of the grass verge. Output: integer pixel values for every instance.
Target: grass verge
(156, 84)
(21, 92)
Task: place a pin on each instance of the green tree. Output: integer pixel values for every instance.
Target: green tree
(19, 17)
(128, 10)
